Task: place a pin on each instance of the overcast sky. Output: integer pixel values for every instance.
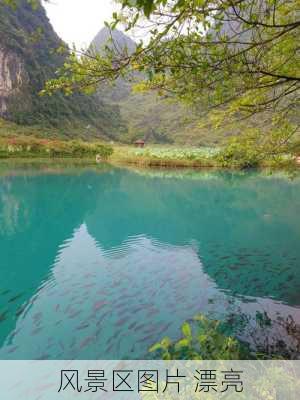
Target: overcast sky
(78, 21)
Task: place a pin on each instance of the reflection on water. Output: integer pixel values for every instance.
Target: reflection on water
(102, 264)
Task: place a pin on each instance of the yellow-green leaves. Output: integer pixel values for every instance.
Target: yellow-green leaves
(155, 347)
(208, 342)
(182, 343)
(165, 343)
(186, 330)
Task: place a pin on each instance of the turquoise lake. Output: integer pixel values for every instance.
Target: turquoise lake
(100, 263)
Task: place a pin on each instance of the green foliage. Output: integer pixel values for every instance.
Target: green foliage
(240, 152)
(294, 148)
(238, 56)
(31, 147)
(161, 121)
(175, 153)
(146, 115)
(202, 339)
(251, 149)
(167, 156)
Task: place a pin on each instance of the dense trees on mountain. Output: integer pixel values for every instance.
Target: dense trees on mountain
(146, 115)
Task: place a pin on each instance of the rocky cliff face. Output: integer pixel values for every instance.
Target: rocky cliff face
(14, 79)
(29, 56)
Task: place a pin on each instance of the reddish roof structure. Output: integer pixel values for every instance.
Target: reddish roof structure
(139, 143)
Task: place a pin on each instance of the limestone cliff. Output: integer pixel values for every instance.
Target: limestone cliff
(14, 79)
(28, 57)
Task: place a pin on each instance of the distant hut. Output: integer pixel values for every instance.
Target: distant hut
(139, 143)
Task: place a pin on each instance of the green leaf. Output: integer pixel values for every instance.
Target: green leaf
(202, 338)
(186, 329)
(165, 343)
(182, 343)
(199, 317)
(155, 347)
(166, 356)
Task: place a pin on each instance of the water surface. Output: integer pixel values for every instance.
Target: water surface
(100, 263)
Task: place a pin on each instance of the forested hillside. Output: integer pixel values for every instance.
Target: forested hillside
(31, 53)
(147, 115)
(163, 119)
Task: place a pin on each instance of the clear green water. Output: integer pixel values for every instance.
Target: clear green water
(100, 264)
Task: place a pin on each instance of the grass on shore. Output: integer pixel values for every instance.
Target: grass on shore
(31, 147)
(68, 131)
(189, 157)
(15, 145)
(165, 156)
(36, 142)
(27, 147)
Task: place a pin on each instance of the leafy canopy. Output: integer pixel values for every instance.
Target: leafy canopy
(240, 56)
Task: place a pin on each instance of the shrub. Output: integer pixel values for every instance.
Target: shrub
(104, 151)
(240, 152)
(32, 147)
(202, 339)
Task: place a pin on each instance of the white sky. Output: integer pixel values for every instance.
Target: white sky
(78, 21)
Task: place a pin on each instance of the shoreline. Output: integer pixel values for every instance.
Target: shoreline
(55, 163)
(35, 150)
